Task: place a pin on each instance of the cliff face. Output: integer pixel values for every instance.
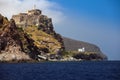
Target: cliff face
(18, 44)
(10, 42)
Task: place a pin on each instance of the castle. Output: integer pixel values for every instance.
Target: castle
(32, 17)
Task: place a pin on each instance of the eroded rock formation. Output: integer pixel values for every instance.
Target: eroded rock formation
(10, 42)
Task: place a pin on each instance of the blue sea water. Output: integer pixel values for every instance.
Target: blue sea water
(86, 70)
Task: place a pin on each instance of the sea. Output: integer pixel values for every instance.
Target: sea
(83, 70)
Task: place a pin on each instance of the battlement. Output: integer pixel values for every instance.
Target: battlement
(32, 17)
(22, 13)
(34, 11)
(29, 18)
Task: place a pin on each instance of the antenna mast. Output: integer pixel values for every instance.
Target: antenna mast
(34, 6)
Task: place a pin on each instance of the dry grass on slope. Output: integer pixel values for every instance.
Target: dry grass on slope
(42, 39)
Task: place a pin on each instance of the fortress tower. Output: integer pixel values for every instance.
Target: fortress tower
(28, 19)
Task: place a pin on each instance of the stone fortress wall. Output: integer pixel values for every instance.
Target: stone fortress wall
(34, 17)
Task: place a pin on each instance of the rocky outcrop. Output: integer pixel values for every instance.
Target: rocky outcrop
(18, 44)
(10, 43)
(43, 41)
(35, 18)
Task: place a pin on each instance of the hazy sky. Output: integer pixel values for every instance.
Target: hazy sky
(93, 21)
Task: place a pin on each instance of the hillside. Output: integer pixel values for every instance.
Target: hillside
(43, 40)
(73, 46)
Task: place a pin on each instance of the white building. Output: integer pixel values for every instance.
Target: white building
(81, 49)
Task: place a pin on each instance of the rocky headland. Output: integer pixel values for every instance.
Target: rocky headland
(83, 50)
(31, 37)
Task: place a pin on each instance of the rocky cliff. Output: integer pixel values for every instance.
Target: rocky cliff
(31, 36)
(10, 42)
(36, 18)
(17, 44)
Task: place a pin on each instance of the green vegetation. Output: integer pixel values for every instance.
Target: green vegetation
(82, 55)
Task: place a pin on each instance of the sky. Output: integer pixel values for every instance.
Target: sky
(93, 21)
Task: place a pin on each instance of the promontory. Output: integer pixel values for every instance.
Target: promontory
(31, 36)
